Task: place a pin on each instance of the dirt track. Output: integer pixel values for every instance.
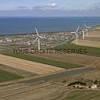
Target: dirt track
(30, 66)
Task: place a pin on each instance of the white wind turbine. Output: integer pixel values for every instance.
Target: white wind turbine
(38, 38)
(87, 29)
(76, 33)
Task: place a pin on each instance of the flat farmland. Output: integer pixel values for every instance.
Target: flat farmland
(8, 76)
(30, 66)
(87, 43)
(78, 59)
(92, 40)
(94, 34)
(83, 95)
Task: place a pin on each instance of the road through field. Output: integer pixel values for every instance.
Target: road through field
(42, 87)
(30, 66)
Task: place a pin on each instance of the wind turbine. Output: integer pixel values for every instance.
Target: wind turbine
(38, 38)
(76, 33)
(87, 29)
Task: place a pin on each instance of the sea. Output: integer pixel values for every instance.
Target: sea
(21, 25)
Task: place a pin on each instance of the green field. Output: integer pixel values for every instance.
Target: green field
(72, 48)
(48, 61)
(7, 76)
(83, 95)
(62, 48)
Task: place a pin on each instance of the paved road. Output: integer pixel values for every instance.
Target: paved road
(60, 75)
(67, 73)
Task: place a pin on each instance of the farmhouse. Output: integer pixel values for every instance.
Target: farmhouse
(78, 84)
(87, 84)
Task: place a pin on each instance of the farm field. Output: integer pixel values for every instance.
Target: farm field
(38, 59)
(8, 76)
(19, 72)
(30, 66)
(83, 95)
(92, 40)
(78, 59)
(78, 49)
(87, 43)
(51, 87)
(95, 33)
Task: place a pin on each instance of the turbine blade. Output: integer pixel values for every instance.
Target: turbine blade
(85, 25)
(78, 29)
(73, 32)
(36, 31)
(41, 37)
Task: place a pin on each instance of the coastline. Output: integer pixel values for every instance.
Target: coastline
(25, 25)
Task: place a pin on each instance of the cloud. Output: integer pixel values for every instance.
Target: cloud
(46, 7)
(51, 9)
(22, 7)
(52, 4)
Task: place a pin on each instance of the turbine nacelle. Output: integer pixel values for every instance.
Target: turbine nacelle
(37, 34)
(76, 32)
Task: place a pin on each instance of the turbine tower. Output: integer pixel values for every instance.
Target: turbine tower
(83, 34)
(38, 38)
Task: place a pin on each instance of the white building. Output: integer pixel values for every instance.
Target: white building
(94, 86)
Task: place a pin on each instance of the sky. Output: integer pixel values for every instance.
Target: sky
(49, 7)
